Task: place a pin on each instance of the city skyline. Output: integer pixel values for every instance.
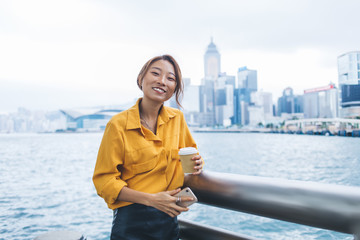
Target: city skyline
(74, 54)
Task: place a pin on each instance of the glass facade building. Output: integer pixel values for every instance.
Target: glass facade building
(290, 103)
(212, 62)
(321, 102)
(247, 78)
(349, 84)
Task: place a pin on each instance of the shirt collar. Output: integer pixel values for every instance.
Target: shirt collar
(133, 121)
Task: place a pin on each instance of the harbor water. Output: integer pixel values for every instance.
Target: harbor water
(46, 184)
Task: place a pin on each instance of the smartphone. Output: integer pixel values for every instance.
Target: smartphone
(186, 192)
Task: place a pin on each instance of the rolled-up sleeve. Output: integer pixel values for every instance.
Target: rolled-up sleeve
(110, 157)
(186, 139)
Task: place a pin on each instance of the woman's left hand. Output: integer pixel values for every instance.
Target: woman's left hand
(198, 164)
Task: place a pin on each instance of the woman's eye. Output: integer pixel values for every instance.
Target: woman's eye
(155, 73)
(171, 79)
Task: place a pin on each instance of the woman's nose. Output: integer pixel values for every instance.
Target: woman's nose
(163, 80)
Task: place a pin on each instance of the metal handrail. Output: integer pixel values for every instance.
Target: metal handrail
(192, 230)
(326, 206)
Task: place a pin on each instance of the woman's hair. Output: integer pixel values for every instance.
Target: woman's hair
(179, 89)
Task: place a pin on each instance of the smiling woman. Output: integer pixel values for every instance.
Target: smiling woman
(164, 67)
(138, 171)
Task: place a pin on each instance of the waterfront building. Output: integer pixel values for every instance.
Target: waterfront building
(6, 125)
(25, 120)
(191, 102)
(246, 84)
(88, 119)
(224, 99)
(247, 78)
(256, 115)
(289, 103)
(263, 101)
(191, 99)
(321, 102)
(207, 103)
(349, 84)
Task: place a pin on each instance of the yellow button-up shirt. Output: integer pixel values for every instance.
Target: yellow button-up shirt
(133, 156)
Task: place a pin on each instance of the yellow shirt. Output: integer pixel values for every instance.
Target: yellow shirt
(133, 156)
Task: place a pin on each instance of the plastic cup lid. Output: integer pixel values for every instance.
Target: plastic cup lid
(187, 151)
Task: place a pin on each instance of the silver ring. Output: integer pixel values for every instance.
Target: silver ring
(178, 199)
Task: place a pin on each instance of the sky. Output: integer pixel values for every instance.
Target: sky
(76, 53)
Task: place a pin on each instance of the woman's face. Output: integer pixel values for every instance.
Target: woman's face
(159, 82)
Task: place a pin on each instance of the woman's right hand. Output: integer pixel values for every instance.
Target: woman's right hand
(166, 202)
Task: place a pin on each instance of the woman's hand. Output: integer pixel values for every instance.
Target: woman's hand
(166, 202)
(198, 164)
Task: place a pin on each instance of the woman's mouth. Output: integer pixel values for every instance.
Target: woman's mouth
(159, 90)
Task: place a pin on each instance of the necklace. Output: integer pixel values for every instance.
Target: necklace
(147, 125)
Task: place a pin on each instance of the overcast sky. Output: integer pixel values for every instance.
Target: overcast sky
(69, 53)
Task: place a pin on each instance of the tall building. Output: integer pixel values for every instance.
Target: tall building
(211, 62)
(349, 84)
(247, 78)
(246, 84)
(242, 99)
(260, 110)
(224, 99)
(191, 102)
(289, 103)
(321, 102)
(207, 103)
(207, 88)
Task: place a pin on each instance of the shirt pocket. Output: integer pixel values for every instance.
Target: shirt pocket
(144, 166)
(141, 160)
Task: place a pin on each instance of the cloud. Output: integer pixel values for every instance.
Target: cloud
(89, 45)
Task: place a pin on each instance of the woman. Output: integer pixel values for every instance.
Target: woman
(138, 171)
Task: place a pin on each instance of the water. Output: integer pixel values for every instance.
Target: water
(46, 185)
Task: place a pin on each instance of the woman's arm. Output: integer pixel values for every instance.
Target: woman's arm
(163, 201)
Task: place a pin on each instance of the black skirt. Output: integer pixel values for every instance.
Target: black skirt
(140, 222)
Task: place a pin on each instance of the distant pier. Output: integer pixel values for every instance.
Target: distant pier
(317, 126)
(231, 130)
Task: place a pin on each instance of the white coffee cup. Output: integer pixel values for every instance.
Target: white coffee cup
(186, 154)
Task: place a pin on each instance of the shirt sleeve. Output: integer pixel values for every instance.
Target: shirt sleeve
(186, 139)
(110, 157)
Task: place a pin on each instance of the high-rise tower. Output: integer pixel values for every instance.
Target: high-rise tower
(212, 62)
(349, 84)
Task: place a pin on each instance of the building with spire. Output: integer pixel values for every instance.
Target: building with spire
(212, 64)
(207, 88)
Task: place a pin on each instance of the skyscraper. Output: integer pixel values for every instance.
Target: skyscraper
(247, 78)
(211, 62)
(349, 84)
(207, 88)
(246, 84)
(224, 102)
(289, 103)
(321, 102)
